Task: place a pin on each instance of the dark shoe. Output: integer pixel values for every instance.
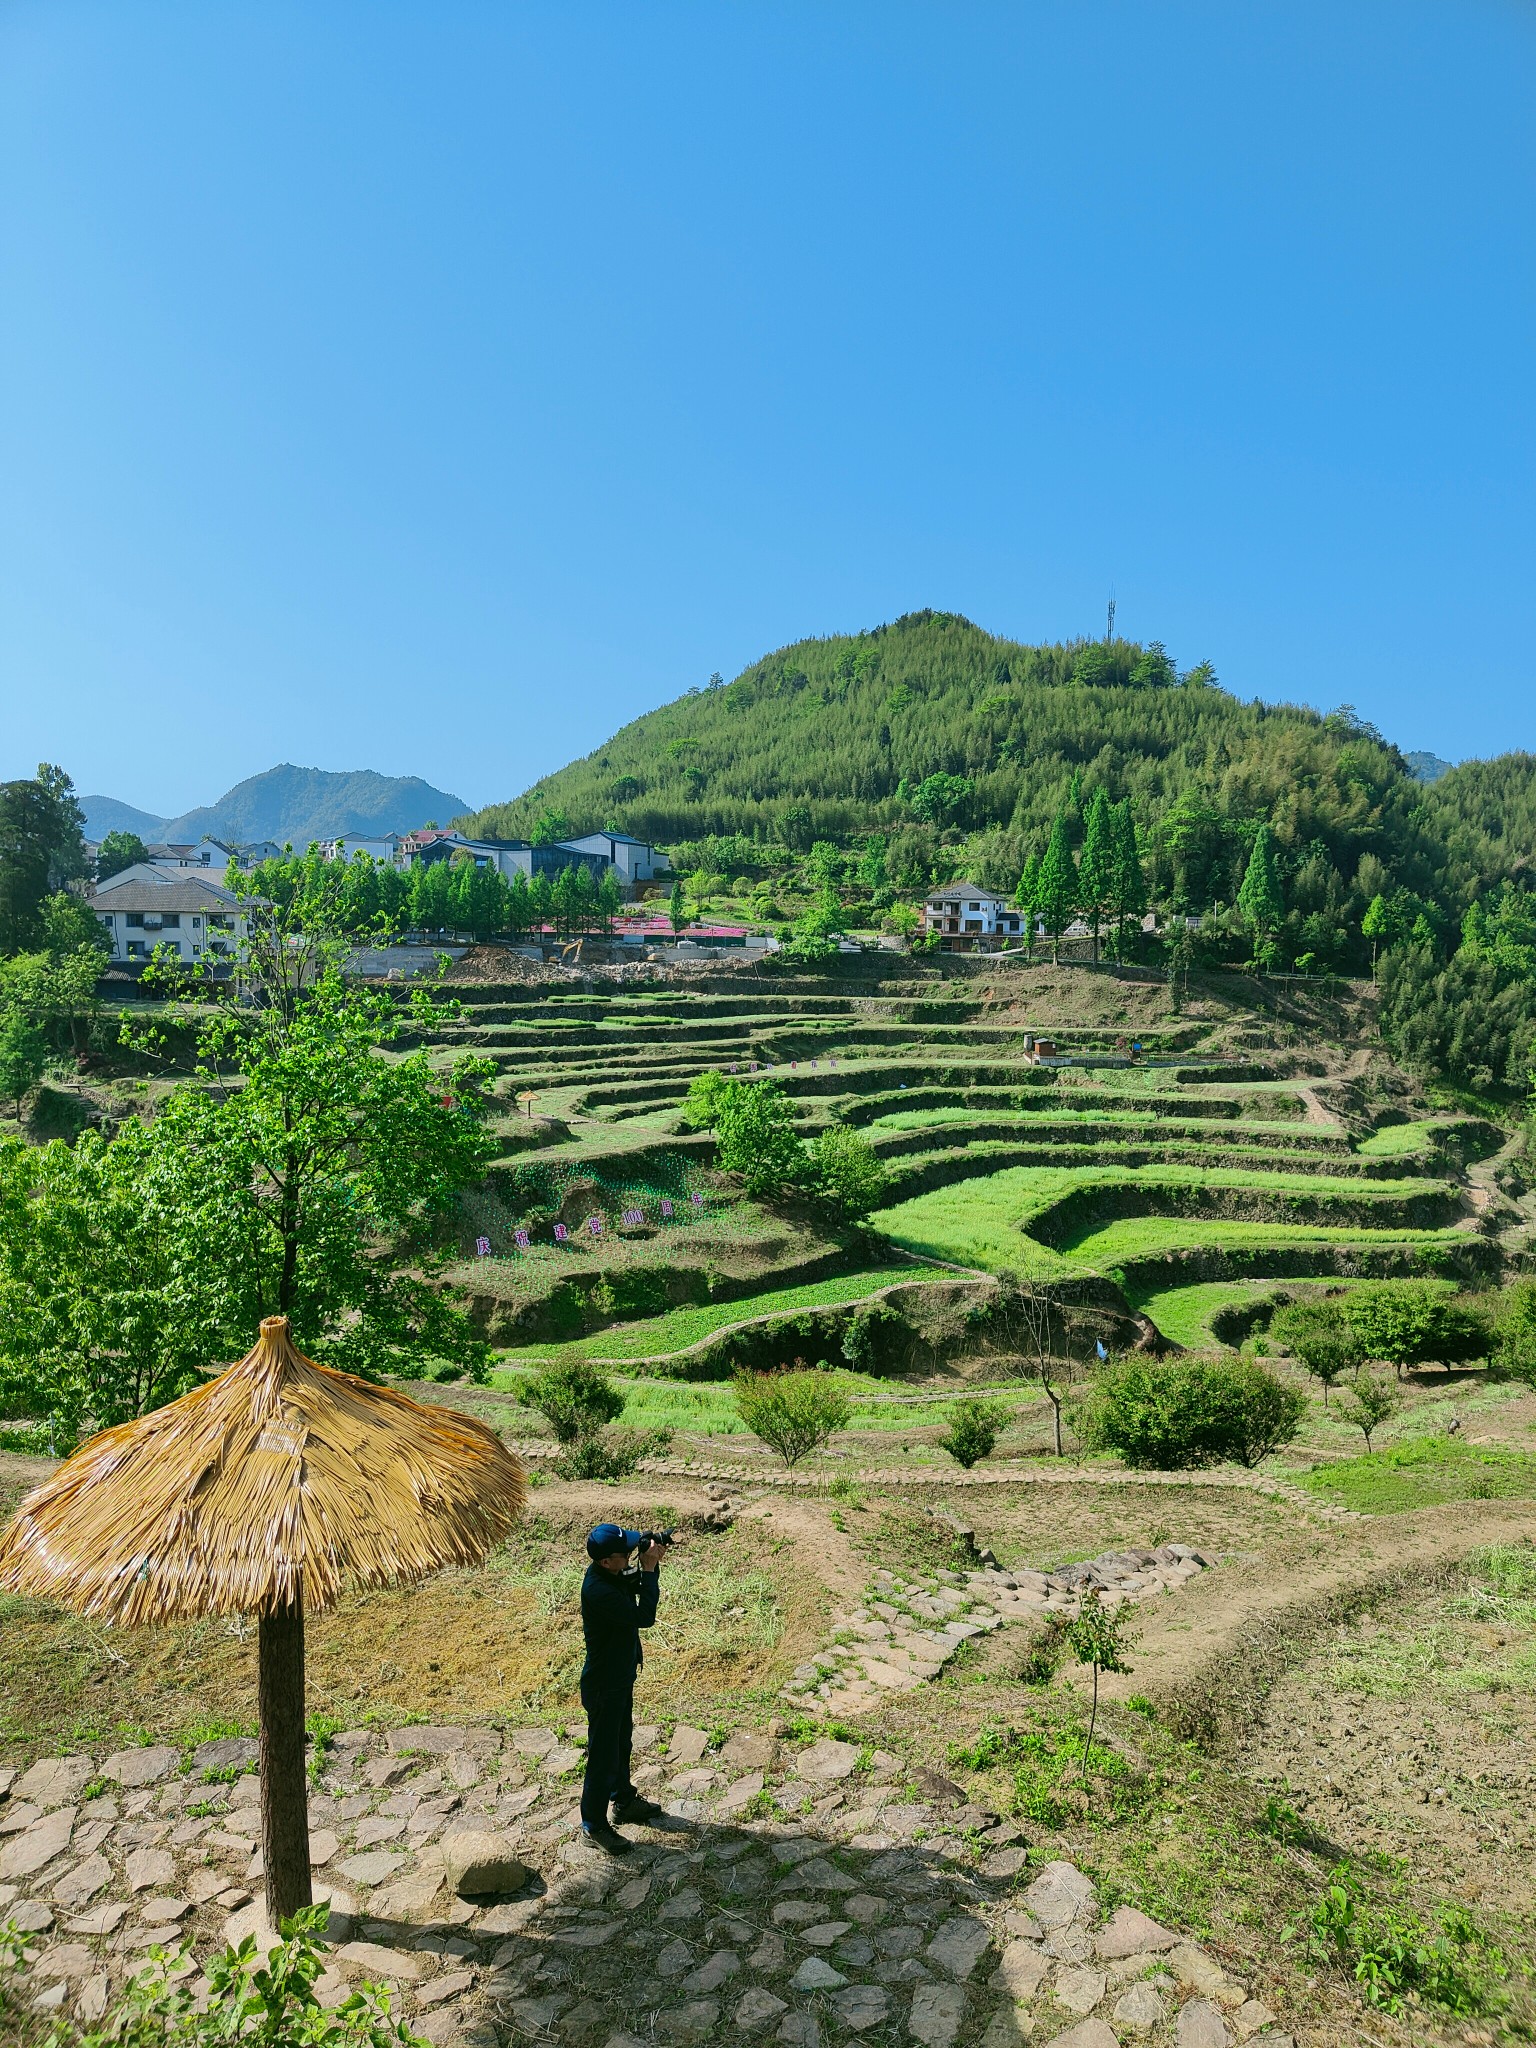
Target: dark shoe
(605, 1837)
(634, 1812)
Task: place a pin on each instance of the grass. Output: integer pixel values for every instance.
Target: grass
(1051, 1111)
(675, 1331)
(984, 1222)
(1422, 1473)
(1146, 1236)
(1393, 1141)
(708, 1408)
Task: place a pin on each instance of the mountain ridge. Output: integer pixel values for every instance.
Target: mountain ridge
(287, 804)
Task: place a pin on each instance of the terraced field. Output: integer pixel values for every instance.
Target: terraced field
(1230, 1153)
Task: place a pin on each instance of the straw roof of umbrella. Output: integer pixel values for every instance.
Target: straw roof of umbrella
(280, 1478)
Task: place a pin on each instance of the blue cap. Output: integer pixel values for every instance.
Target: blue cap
(608, 1539)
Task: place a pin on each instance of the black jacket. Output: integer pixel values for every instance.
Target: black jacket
(614, 1609)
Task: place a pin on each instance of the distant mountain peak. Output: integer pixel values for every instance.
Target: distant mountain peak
(288, 804)
(1426, 767)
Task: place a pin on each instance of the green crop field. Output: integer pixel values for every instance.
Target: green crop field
(1146, 1236)
(676, 1330)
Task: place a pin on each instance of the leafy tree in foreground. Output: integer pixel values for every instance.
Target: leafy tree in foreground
(755, 1127)
(1515, 1351)
(793, 1413)
(304, 1173)
(41, 848)
(575, 1398)
(1097, 1637)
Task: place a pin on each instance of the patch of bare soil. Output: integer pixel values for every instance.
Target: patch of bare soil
(1411, 1734)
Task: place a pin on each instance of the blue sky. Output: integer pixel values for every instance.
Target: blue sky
(433, 387)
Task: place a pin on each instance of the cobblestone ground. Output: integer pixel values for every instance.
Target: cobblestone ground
(848, 1909)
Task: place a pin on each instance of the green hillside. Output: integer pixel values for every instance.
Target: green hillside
(834, 739)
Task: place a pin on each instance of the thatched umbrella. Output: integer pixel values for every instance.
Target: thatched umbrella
(264, 1492)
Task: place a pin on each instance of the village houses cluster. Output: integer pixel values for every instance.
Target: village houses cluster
(171, 902)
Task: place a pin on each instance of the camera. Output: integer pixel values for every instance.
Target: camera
(664, 1537)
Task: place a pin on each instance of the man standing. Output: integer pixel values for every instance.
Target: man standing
(616, 1603)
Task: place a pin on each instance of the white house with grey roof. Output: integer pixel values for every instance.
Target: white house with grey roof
(967, 916)
(144, 909)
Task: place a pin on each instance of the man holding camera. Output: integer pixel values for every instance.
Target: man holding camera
(617, 1601)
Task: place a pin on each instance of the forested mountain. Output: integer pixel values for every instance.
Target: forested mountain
(288, 804)
(939, 735)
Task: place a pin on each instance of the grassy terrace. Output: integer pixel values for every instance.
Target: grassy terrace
(658, 1336)
(989, 1222)
(1185, 1314)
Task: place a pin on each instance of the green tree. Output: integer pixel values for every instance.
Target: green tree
(1369, 1403)
(1096, 869)
(312, 1169)
(1318, 1334)
(1058, 886)
(846, 1171)
(41, 848)
(1026, 897)
(1515, 1329)
(23, 1058)
(1405, 1323)
(793, 1413)
(974, 1428)
(755, 1129)
(117, 851)
(942, 799)
(575, 1398)
(549, 827)
(1096, 1636)
(69, 927)
(1128, 885)
(1261, 900)
(677, 909)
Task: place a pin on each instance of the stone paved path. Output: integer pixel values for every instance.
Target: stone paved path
(909, 1628)
(850, 1910)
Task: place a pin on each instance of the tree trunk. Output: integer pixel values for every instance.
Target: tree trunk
(284, 1794)
(1093, 1722)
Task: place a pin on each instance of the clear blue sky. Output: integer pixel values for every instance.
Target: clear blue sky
(431, 385)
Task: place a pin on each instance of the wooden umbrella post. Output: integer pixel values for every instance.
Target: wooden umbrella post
(284, 1792)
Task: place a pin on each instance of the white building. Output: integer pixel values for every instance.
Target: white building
(633, 860)
(966, 915)
(144, 909)
(383, 847)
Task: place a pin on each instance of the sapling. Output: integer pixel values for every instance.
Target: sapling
(1369, 1402)
(1097, 1637)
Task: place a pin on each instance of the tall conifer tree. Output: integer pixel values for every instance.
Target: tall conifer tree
(1096, 869)
(1058, 890)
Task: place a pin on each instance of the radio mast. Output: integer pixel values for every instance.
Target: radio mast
(1109, 623)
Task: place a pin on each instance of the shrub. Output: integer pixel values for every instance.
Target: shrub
(574, 1398)
(974, 1428)
(611, 1453)
(250, 1997)
(701, 1104)
(793, 1413)
(1515, 1332)
(846, 1172)
(1187, 1412)
(874, 1337)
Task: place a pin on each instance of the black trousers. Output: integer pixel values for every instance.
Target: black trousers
(610, 1732)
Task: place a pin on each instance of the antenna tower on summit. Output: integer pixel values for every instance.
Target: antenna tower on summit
(1109, 623)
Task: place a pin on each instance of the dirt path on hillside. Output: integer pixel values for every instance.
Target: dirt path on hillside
(1208, 1657)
